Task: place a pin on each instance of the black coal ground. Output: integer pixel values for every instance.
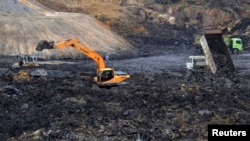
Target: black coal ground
(157, 108)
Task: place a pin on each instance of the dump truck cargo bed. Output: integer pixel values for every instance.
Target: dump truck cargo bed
(217, 52)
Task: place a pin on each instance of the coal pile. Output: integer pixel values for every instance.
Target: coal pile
(159, 108)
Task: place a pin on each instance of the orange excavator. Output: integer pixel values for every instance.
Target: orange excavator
(105, 77)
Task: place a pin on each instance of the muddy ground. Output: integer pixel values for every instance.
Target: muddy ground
(163, 101)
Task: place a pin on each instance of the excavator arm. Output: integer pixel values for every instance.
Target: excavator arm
(105, 76)
(84, 49)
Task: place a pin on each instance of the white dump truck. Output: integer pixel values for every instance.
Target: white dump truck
(196, 62)
(216, 53)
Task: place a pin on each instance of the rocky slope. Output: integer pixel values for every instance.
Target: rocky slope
(161, 22)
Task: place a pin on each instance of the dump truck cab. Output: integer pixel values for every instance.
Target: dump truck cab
(233, 43)
(236, 45)
(194, 62)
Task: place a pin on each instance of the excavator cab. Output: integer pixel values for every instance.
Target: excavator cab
(107, 77)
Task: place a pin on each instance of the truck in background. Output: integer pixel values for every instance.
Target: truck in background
(234, 44)
(216, 53)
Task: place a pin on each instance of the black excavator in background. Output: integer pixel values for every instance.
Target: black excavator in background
(26, 66)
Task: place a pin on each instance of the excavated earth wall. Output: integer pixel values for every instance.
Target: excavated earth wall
(26, 23)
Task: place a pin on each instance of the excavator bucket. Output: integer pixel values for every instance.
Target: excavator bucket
(44, 44)
(219, 51)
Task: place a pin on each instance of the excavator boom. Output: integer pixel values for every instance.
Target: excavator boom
(76, 44)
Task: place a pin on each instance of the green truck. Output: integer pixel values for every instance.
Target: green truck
(233, 43)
